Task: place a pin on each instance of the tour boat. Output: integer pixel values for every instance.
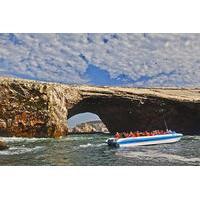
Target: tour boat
(167, 137)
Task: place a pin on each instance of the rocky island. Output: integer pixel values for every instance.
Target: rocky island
(89, 127)
(40, 109)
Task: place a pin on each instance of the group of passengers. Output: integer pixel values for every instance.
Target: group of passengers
(138, 134)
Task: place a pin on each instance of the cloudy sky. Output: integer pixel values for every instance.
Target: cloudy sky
(103, 59)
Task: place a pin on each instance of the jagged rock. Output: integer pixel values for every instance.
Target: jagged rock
(3, 124)
(37, 109)
(89, 127)
(3, 145)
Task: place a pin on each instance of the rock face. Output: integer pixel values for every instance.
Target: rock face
(36, 109)
(89, 127)
(3, 146)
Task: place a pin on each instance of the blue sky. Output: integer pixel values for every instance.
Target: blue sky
(141, 60)
(103, 59)
(82, 117)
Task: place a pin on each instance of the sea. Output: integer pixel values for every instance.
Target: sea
(91, 150)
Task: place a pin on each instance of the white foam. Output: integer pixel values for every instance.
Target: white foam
(101, 144)
(86, 145)
(192, 137)
(148, 155)
(91, 145)
(22, 139)
(76, 138)
(20, 150)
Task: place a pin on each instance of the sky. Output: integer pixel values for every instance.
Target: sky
(141, 60)
(82, 117)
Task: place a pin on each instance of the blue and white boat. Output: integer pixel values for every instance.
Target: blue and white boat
(169, 137)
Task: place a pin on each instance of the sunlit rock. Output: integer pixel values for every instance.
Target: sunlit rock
(3, 146)
(89, 127)
(36, 109)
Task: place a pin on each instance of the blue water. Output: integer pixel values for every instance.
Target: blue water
(90, 149)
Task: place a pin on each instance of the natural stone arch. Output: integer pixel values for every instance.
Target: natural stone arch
(125, 114)
(108, 110)
(35, 109)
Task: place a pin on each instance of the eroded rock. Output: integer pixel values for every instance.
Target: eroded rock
(3, 124)
(89, 127)
(3, 146)
(37, 109)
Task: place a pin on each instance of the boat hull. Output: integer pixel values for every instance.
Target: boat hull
(146, 140)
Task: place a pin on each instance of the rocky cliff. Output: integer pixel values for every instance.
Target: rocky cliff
(37, 109)
(89, 127)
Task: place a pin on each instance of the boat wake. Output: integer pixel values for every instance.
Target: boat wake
(148, 155)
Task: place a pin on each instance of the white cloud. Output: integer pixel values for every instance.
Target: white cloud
(167, 59)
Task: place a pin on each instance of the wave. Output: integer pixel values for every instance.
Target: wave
(191, 137)
(91, 145)
(156, 154)
(76, 138)
(20, 150)
(22, 139)
(86, 145)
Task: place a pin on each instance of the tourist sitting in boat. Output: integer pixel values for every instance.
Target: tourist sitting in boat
(139, 134)
(153, 137)
(117, 135)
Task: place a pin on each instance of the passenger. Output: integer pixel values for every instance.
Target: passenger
(131, 134)
(134, 134)
(137, 134)
(117, 135)
(127, 135)
(123, 135)
(151, 133)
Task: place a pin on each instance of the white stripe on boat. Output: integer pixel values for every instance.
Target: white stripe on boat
(145, 140)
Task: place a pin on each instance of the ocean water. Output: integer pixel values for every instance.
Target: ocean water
(91, 149)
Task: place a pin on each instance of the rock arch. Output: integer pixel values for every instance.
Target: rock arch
(126, 114)
(110, 110)
(36, 109)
